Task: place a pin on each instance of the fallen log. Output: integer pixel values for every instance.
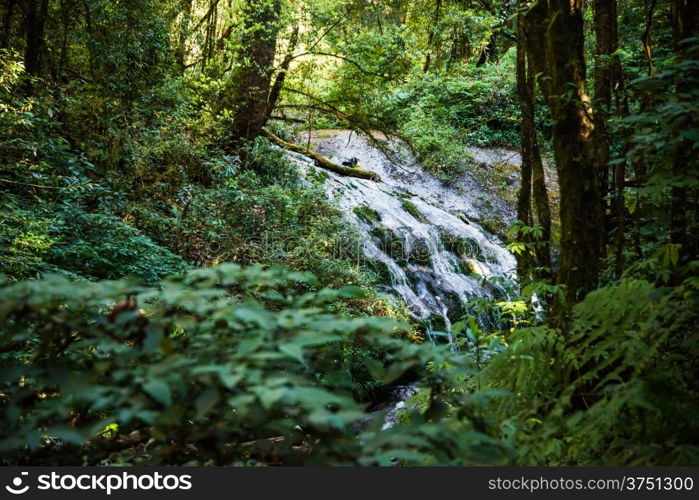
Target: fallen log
(323, 162)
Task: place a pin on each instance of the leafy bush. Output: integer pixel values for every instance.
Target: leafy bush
(617, 388)
(220, 366)
(443, 114)
(260, 212)
(54, 217)
(46, 236)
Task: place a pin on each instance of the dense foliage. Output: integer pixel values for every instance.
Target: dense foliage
(172, 290)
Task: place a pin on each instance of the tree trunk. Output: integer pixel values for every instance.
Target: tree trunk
(537, 75)
(488, 52)
(181, 48)
(281, 75)
(323, 162)
(605, 77)
(430, 39)
(542, 208)
(7, 15)
(460, 47)
(260, 23)
(35, 12)
(543, 214)
(526, 134)
(537, 25)
(572, 131)
(646, 37)
(685, 24)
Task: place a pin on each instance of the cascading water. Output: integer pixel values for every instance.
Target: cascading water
(418, 233)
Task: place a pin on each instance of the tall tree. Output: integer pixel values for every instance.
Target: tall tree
(183, 29)
(433, 30)
(35, 13)
(281, 74)
(541, 199)
(685, 25)
(249, 86)
(537, 24)
(531, 68)
(526, 133)
(572, 144)
(606, 74)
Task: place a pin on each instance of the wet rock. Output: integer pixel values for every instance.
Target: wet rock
(418, 234)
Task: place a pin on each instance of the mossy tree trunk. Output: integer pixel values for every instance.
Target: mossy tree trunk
(543, 213)
(247, 95)
(572, 145)
(606, 75)
(527, 139)
(281, 74)
(533, 179)
(685, 25)
(323, 162)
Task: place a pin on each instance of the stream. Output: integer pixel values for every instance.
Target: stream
(418, 234)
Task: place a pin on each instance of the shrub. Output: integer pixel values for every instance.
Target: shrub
(617, 388)
(225, 365)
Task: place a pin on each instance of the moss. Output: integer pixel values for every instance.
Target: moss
(389, 242)
(419, 254)
(381, 270)
(462, 218)
(436, 322)
(367, 214)
(464, 248)
(495, 225)
(317, 177)
(412, 210)
(455, 305)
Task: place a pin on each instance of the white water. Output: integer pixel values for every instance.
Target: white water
(433, 255)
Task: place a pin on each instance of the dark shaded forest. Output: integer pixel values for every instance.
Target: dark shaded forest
(342, 232)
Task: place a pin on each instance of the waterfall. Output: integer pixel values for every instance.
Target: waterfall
(419, 235)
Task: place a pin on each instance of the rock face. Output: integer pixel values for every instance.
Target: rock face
(419, 235)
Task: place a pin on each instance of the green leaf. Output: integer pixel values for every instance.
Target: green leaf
(293, 351)
(68, 434)
(352, 292)
(206, 401)
(159, 390)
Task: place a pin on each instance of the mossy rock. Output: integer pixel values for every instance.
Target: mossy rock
(456, 307)
(419, 253)
(381, 270)
(495, 225)
(463, 247)
(367, 214)
(462, 218)
(433, 322)
(387, 241)
(467, 267)
(412, 210)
